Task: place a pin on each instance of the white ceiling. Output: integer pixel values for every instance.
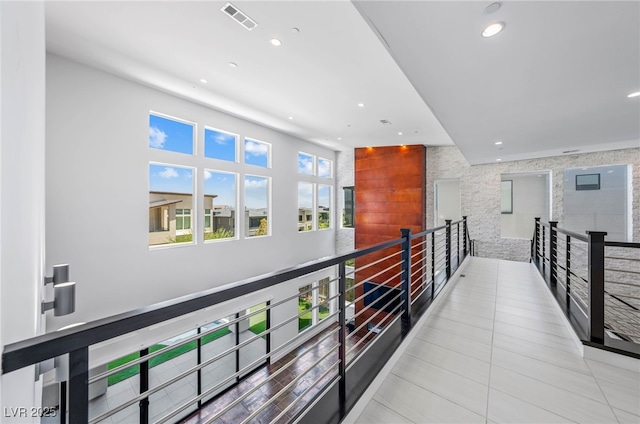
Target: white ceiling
(555, 79)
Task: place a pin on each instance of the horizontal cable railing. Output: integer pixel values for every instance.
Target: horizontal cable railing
(596, 282)
(315, 337)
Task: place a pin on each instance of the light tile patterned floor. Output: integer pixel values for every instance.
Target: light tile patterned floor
(495, 349)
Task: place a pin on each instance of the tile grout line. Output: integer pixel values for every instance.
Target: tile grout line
(495, 307)
(602, 391)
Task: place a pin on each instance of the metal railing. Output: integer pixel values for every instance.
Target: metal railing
(596, 283)
(338, 346)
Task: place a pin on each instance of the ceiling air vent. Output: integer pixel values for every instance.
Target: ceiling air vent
(239, 16)
(385, 122)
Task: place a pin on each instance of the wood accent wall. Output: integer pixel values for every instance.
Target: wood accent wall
(390, 194)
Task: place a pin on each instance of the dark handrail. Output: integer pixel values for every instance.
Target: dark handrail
(37, 349)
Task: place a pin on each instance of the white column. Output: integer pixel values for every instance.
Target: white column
(22, 193)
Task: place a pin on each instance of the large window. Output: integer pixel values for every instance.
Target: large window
(170, 134)
(220, 205)
(220, 145)
(306, 164)
(324, 206)
(314, 303)
(305, 303)
(256, 198)
(170, 204)
(257, 153)
(348, 213)
(325, 168)
(305, 206)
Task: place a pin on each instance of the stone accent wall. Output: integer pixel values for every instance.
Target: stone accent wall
(480, 192)
(345, 237)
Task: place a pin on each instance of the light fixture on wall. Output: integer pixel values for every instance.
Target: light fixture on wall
(64, 292)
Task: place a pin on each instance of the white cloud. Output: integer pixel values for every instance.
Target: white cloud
(207, 174)
(221, 138)
(255, 184)
(257, 149)
(168, 173)
(157, 137)
(324, 168)
(305, 165)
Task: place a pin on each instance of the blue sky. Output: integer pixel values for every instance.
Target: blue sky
(324, 168)
(305, 195)
(324, 195)
(167, 134)
(170, 178)
(219, 145)
(223, 184)
(256, 192)
(305, 164)
(256, 153)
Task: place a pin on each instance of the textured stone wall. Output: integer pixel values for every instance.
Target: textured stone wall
(480, 192)
(345, 237)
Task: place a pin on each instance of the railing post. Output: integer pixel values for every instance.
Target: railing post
(406, 280)
(568, 274)
(536, 235)
(465, 233)
(79, 385)
(448, 247)
(458, 245)
(199, 372)
(433, 265)
(144, 387)
(544, 254)
(342, 338)
(553, 253)
(268, 337)
(596, 286)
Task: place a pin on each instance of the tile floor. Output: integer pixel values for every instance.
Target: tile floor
(496, 349)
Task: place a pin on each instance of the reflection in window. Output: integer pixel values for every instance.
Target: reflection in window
(348, 211)
(170, 204)
(257, 153)
(170, 134)
(305, 206)
(220, 205)
(305, 163)
(325, 168)
(324, 206)
(256, 201)
(220, 145)
(305, 303)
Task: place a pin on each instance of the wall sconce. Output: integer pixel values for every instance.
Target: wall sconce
(64, 292)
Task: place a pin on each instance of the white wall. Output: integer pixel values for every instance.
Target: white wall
(345, 177)
(22, 162)
(605, 209)
(97, 159)
(447, 204)
(530, 201)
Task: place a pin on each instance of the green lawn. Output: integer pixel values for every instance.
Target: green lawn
(135, 369)
(258, 322)
(305, 320)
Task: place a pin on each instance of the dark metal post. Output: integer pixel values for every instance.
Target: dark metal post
(448, 247)
(596, 286)
(465, 234)
(63, 402)
(144, 387)
(79, 385)
(568, 272)
(268, 336)
(544, 255)
(458, 245)
(199, 373)
(342, 338)
(536, 235)
(237, 343)
(433, 265)
(553, 253)
(406, 280)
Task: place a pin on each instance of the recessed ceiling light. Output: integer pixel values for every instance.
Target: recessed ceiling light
(497, 143)
(233, 64)
(291, 118)
(276, 42)
(493, 7)
(498, 160)
(204, 81)
(360, 104)
(399, 132)
(493, 29)
(636, 94)
(339, 138)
